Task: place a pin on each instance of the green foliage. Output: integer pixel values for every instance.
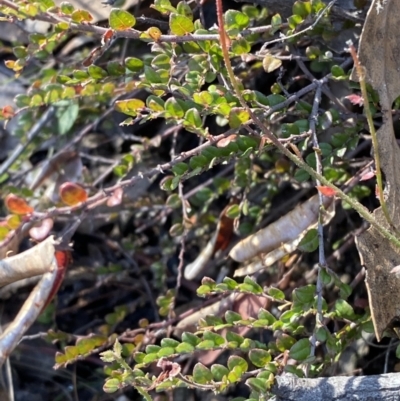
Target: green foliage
(185, 85)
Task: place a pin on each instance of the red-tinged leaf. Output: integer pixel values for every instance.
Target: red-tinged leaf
(72, 194)
(226, 141)
(224, 228)
(7, 112)
(116, 198)
(93, 55)
(356, 99)
(17, 205)
(63, 258)
(326, 191)
(367, 175)
(107, 36)
(40, 232)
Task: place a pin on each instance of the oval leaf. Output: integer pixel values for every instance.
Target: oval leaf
(17, 205)
(72, 194)
(121, 20)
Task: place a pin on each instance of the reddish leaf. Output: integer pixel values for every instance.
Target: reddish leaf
(17, 205)
(326, 191)
(107, 36)
(72, 194)
(356, 99)
(7, 112)
(40, 232)
(224, 228)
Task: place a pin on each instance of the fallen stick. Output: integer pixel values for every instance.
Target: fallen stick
(33, 262)
(29, 312)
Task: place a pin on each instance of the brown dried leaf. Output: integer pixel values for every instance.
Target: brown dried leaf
(379, 53)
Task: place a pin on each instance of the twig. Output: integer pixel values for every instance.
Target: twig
(322, 260)
(361, 76)
(35, 130)
(283, 37)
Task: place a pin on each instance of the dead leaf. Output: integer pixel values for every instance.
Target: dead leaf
(379, 53)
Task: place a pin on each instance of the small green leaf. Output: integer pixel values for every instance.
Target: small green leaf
(240, 46)
(190, 338)
(233, 337)
(236, 361)
(193, 118)
(180, 168)
(257, 385)
(344, 309)
(112, 385)
(173, 108)
(232, 317)
(237, 117)
(131, 107)
(309, 243)
(233, 211)
(66, 8)
(304, 295)
(263, 314)
(201, 374)
(259, 357)
(80, 16)
(97, 72)
(301, 175)
(198, 161)
(236, 20)
(164, 352)
(219, 371)
(276, 293)
(169, 342)
(302, 8)
(337, 71)
(184, 348)
(121, 20)
(214, 337)
(301, 350)
(230, 282)
(134, 64)
(180, 25)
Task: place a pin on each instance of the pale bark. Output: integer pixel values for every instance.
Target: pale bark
(385, 387)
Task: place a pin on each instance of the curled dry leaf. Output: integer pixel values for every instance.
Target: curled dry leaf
(72, 194)
(17, 205)
(41, 231)
(282, 231)
(226, 141)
